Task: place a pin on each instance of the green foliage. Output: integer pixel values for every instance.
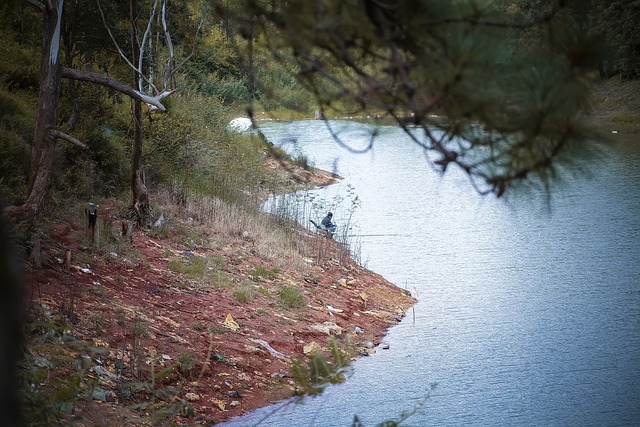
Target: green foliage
(243, 294)
(291, 297)
(190, 151)
(21, 74)
(205, 271)
(321, 370)
(198, 326)
(264, 272)
(186, 363)
(16, 131)
(18, 94)
(217, 71)
(458, 76)
(48, 395)
(619, 22)
(302, 161)
(195, 267)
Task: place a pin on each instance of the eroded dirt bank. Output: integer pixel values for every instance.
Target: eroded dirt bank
(216, 314)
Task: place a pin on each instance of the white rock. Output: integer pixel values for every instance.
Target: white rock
(335, 310)
(240, 124)
(328, 328)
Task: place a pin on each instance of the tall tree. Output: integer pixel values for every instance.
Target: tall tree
(46, 129)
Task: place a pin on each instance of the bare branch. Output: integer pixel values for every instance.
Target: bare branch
(193, 45)
(147, 32)
(167, 35)
(122, 54)
(61, 135)
(89, 76)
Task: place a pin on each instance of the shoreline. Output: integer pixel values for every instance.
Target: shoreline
(142, 314)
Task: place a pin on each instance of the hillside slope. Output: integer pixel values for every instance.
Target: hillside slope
(205, 318)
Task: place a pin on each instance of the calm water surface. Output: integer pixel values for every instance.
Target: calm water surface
(528, 312)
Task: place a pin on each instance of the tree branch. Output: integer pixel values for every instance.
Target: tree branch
(122, 55)
(193, 45)
(68, 138)
(143, 46)
(91, 77)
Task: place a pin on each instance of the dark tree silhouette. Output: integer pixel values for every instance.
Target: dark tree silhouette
(450, 73)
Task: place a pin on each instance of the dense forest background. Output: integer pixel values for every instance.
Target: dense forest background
(217, 62)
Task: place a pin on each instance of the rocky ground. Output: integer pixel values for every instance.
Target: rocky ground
(221, 340)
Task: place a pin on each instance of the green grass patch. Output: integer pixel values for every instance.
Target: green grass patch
(186, 363)
(264, 272)
(194, 268)
(198, 326)
(204, 270)
(291, 297)
(260, 312)
(244, 293)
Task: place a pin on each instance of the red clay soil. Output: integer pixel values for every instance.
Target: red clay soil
(146, 315)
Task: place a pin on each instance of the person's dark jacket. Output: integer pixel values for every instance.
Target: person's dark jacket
(326, 222)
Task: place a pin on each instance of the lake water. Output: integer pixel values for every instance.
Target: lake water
(529, 309)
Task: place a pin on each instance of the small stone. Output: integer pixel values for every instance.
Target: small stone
(99, 394)
(234, 403)
(311, 348)
(218, 404)
(192, 397)
(329, 328)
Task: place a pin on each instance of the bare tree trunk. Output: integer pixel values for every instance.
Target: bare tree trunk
(140, 209)
(44, 141)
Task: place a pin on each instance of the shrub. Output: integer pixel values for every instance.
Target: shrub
(291, 297)
(261, 271)
(243, 294)
(186, 363)
(198, 326)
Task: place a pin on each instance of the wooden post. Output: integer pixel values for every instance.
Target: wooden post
(92, 220)
(127, 230)
(36, 251)
(67, 259)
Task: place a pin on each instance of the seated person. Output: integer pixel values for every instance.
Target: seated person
(327, 223)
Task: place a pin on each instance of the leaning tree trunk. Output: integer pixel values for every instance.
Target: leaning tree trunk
(44, 141)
